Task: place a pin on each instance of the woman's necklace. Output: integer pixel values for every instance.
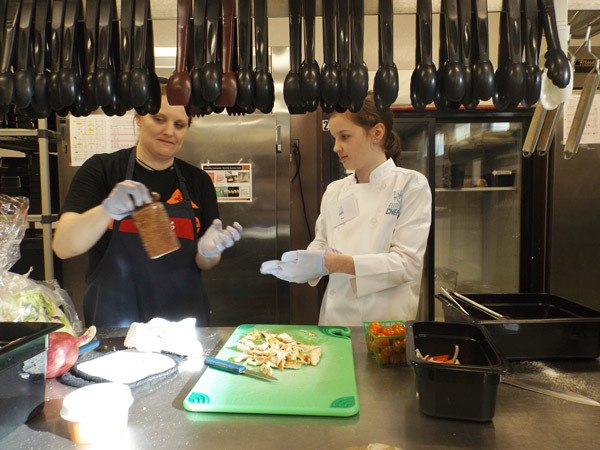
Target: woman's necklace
(142, 163)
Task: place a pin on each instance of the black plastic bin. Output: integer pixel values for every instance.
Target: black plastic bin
(23, 349)
(464, 391)
(540, 326)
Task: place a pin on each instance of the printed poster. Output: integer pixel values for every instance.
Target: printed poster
(98, 133)
(233, 182)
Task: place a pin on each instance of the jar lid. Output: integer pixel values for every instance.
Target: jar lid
(96, 400)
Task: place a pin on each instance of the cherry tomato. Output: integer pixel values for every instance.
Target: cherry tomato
(399, 329)
(375, 327)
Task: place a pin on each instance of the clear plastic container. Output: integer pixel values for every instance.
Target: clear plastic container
(155, 229)
(97, 412)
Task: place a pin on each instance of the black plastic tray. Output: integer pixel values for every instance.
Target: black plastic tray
(541, 326)
(464, 391)
(23, 348)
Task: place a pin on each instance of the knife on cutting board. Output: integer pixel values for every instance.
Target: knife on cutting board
(238, 369)
(563, 393)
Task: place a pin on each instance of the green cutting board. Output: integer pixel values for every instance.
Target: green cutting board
(327, 389)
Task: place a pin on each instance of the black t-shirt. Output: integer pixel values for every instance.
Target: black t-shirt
(99, 174)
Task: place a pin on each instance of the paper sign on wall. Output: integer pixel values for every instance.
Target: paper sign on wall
(98, 133)
(591, 132)
(233, 181)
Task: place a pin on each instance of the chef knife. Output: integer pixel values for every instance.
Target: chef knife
(238, 369)
(563, 394)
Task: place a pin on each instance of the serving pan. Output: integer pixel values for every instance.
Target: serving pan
(541, 326)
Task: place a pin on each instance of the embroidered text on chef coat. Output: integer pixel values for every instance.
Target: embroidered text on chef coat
(395, 205)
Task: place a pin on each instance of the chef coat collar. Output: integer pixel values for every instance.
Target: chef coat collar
(379, 171)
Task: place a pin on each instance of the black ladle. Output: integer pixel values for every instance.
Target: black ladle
(69, 84)
(179, 86)
(483, 70)
(264, 89)
(533, 74)
(90, 39)
(385, 85)
(7, 82)
(441, 100)
(557, 61)
(113, 107)
(423, 81)
(343, 53)
(24, 71)
(310, 75)
(515, 73)
(153, 102)
(79, 105)
(358, 76)
(40, 102)
(465, 19)
(212, 72)
(126, 54)
(500, 97)
(106, 89)
(330, 83)
(139, 80)
(58, 14)
(453, 71)
(197, 53)
(243, 74)
(292, 94)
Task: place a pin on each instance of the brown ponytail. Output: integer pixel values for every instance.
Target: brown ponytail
(369, 116)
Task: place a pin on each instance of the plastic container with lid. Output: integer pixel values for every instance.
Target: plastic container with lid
(97, 412)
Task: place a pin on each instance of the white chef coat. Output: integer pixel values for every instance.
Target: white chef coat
(384, 225)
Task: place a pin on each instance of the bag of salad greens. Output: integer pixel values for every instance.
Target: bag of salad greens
(21, 298)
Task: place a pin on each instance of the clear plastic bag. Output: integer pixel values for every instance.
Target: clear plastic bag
(21, 298)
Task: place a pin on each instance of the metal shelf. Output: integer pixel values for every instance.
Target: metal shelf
(24, 139)
(477, 189)
(37, 140)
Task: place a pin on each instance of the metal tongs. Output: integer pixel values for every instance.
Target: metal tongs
(473, 303)
(584, 105)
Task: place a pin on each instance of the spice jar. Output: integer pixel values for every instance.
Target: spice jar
(155, 230)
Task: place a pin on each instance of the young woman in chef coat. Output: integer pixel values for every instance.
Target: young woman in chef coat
(372, 230)
(123, 284)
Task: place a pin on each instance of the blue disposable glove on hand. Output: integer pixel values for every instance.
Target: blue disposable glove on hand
(298, 266)
(216, 239)
(124, 198)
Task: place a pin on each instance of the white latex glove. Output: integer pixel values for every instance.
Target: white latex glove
(298, 266)
(216, 239)
(124, 198)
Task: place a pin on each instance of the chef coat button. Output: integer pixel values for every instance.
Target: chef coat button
(382, 187)
(373, 220)
(332, 292)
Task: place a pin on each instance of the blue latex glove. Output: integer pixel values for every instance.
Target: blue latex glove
(124, 198)
(298, 266)
(216, 239)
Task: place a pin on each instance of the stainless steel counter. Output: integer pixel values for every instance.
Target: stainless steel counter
(389, 414)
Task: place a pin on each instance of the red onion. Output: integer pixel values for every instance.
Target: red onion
(63, 351)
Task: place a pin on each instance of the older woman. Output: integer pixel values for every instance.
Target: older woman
(123, 284)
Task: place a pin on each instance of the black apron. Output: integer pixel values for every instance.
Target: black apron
(127, 286)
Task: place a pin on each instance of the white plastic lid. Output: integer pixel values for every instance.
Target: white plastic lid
(95, 401)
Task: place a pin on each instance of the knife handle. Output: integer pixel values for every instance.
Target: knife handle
(227, 366)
